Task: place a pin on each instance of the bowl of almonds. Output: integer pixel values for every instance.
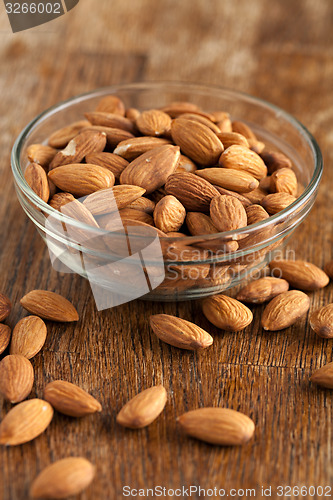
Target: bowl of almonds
(167, 191)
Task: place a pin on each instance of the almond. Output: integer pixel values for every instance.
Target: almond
(220, 426)
(256, 146)
(102, 202)
(82, 179)
(179, 332)
(328, 268)
(60, 199)
(256, 195)
(132, 114)
(228, 178)
(113, 135)
(5, 307)
(132, 148)
(28, 337)
(324, 376)
(262, 290)
(200, 224)
(243, 129)
(37, 179)
(25, 421)
(5, 332)
(227, 213)
(299, 274)
(87, 141)
(244, 201)
(231, 139)
(60, 138)
(196, 141)
(110, 161)
(226, 313)
(239, 157)
(284, 310)
(169, 214)
(321, 321)
(255, 213)
(16, 378)
(111, 104)
(178, 108)
(153, 122)
(137, 215)
(110, 120)
(275, 160)
(49, 305)
(64, 478)
(144, 408)
(76, 210)
(41, 154)
(143, 204)
(204, 120)
(185, 164)
(151, 170)
(192, 191)
(70, 399)
(284, 180)
(276, 202)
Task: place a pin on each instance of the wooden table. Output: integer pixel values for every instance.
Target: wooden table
(280, 51)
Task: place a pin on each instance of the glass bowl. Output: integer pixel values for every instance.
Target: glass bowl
(182, 267)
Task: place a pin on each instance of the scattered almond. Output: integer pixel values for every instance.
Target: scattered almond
(284, 310)
(179, 333)
(324, 376)
(28, 337)
(226, 313)
(49, 305)
(70, 399)
(321, 321)
(144, 408)
(300, 274)
(262, 290)
(16, 378)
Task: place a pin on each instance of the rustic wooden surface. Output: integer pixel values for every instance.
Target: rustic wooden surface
(280, 51)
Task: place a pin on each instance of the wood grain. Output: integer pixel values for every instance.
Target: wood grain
(279, 51)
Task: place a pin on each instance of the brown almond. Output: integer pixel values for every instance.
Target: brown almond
(132, 148)
(227, 213)
(5, 333)
(256, 195)
(256, 146)
(49, 305)
(132, 114)
(242, 158)
(299, 274)
(169, 214)
(82, 179)
(102, 202)
(153, 122)
(228, 178)
(16, 378)
(244, 201)
(37, 179)
(220, 426)
(243, 129)
(70, 399)
(110, 120)
(328, 268)
(321, 321)
(274, 160)
(133, 214)
(87, 141)
(78, 211)
(179, 333)
(284, 180)
(5, 306)
(110, 161)
(255, 213)
(178, 108)
(204, 120)
(199, 224)
(226, 313)
(60, 138)
(60, 199)
(113, 135)
(143, 204)
(151, 170)
(64, 478)
(284, 310)
(197, 141)
(262, 290)
(144, 408)
(192, 191)
(41, 154)
(231, 139)
(185, 164)
(25, 421)
(324, 376)
(111, 104)
(219, 116)
(276, 202)
(28, 337)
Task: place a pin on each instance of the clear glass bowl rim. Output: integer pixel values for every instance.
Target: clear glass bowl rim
(180, 86)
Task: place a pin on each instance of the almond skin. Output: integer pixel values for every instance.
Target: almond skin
(199, 224)
(61, 137)
(153, 122)
(60, 199)
(64, 478)
(244, 201)
(5, 306)
(143, 204)
(49, 305)
(16, 378)
(284, 180)
(113, 135)
(299, 274)
(231, 139)
(241, 128)
(102, 202)
(192, 191)
(144, 408)
(25, 422)
(28, 337)
(132, 148)
(41, 154)
(82, 179)
(116, 164)
(255, 213)
(169, 214)
(226, 313)
(220, 426)
(284, 310)
(324, 376)
(111, 104)
(275, 160)
(321, 321)
(262, 290)
(179, 333)
(110, 120)
(185, 164)
(274, 203)
(133, 214)
(242, 158)
(5, 332)
(228, 178)
(70, 399)
(37, 179)
(227, 213)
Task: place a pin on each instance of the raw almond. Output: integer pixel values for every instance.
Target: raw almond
(37, 179)
(70, 399)
(226, 313)
(227, 213)
(256, 146)
(262, 290)
(28, 337)
(102, 202)
(153, 122)
(179, 333)
(111, 104)
(82, 179)
(220, 426)
(41, 154)
(328, 268)
(16, 378)
(178, 108)
(87, 141)
(133, 214)
(110, 120)
(197, 141)
(5, 306)
(169, 214)
(199, 224)
(113, 135)
(256, 195)
(284, 180)
(185, 164)
(284, 310)
(132, 148)
(321, 321)
(324, 376)
(132, 114)
(299, 274)
(5, 332)
(192, 191)
(276, 202)
(244, 201)
(49, 305)
(151, 170)
(228, 178)
(60, 138)
(243, 129)
(203, 120)
(64, 478)
(274, 160)
(231, 139)
(110, 161)
(144, 408)
(76, 210)
(25, 422)
(255, 213)
(60, 199)
(239, 157)
(143, 204)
